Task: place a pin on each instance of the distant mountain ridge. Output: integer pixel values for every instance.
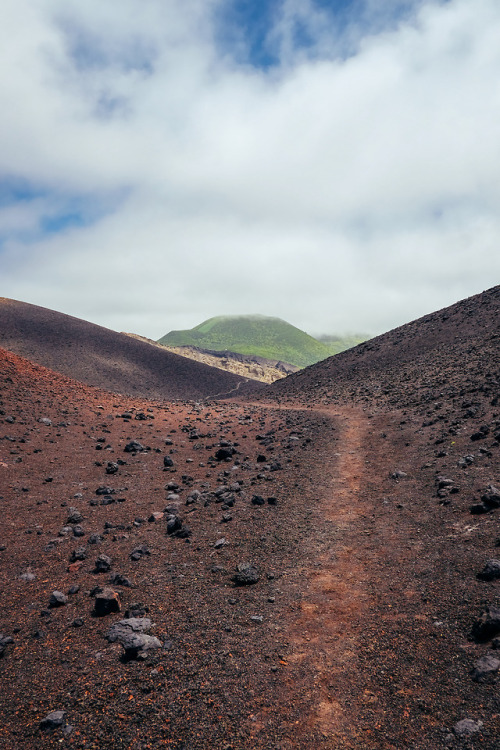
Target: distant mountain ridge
(260, 335)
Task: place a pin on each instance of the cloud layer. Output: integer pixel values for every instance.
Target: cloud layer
(157, 173)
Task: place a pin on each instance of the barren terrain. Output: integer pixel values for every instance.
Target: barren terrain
(313, 559)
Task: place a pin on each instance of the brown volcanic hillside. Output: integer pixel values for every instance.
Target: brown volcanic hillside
(101, 357)
(367, 505)
(446, 354)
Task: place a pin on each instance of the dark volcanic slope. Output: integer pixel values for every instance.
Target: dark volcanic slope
(446, 354)
(104, 358)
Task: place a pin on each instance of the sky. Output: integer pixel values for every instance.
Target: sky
(335, 163)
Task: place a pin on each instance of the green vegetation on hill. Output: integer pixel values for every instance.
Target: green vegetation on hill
(258, 335)
(338, 344)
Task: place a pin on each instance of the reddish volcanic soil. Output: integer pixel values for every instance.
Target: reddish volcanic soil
(357, 632)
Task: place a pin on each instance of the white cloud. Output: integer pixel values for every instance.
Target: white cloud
(339, 192)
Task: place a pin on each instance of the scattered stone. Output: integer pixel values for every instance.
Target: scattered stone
(478, 509)
(486, 669)
(398, 474)
(102, 564)
(247, 574)
(443, 482)
(95, 539)
(224, 453)
(257, 618)
(79, 554)
(483, 431)
(52, 721)
(46, 421)
(78, 531)
(117, 579)
(488, 624)
(272, 501)
(133, 447)
(491, 497)
(467, 727)
(466, 461)
(491, 571)
(175, 525)
(103, 490)
(193, 497)
(78, 622)
(57, 599)
(258, 500)
(226, 517)
(220, 543)
(134, 624)
(131, 634)
(107, 601)
(112, 468)
(74, 516)
(167, 462)
(5, 640)
(139, 552)
(28, 576)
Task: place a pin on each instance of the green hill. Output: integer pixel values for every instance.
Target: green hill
(261, 336)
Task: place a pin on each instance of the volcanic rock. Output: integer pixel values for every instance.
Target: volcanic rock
(5, 640)
(486, 669)
(57, 599)
(491, 571)
(467, 727)
(488, 624)
(246, 575)
(134, 446)
(53, 720)
(107, 601)
(102, 564)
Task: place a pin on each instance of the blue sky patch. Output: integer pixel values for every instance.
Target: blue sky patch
(52, 212)
(14, 190)
(244, 27)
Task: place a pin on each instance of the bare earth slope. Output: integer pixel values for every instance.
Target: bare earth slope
(357, 499)
(104, 358)
(449, 351)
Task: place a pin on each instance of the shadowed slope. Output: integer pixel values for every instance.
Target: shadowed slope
(101, 357)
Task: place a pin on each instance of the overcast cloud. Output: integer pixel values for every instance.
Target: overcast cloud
(163, 161)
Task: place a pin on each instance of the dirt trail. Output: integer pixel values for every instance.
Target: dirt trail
(336, 594)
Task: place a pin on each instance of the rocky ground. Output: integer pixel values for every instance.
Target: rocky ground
(306, 572)
(252, 367)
